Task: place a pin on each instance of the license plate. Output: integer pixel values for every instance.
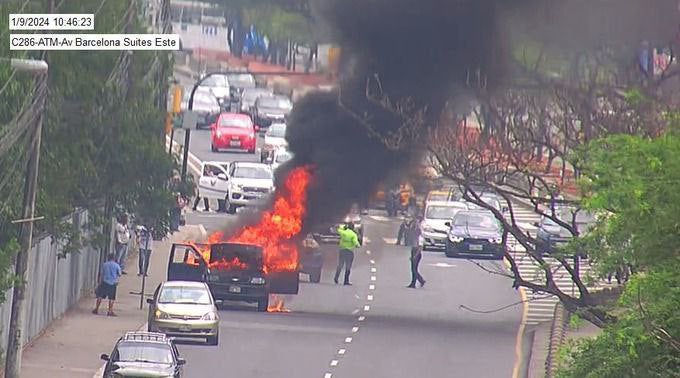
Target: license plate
(476, 247)
(234, 289)
(185, 328)
(235, 143)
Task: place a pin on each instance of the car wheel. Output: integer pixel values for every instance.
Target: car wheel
(263, 304)
(315, 277)
(212, 148)
(252, 151)
(230, 209)
(448, 251)
(213, 340)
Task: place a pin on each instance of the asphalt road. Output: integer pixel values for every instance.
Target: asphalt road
(375, 328)
(394, 331)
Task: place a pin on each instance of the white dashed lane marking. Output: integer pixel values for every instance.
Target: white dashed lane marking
(361, 318)
(334, 363)
(348, 340)
(328, 375)
(367, 308)
(373, 278)
(355, 329)
(369, 297)
(373, 270)
(371, 287)
(341, 351)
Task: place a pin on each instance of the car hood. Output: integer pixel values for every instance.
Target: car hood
(274, 111)
(475, 232)
(437, 224)
(236, 131)
(558, 231)
(143, 370)
(220, 92)
(257, 183)
(275, 141)
(205, 108)
(185, 309)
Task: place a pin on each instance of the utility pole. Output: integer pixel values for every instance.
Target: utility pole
(17, 317)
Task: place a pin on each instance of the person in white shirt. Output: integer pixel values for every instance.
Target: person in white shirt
(145, 242)
(416, 241)
(122, 241)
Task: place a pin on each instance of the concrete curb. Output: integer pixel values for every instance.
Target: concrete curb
(558, 331)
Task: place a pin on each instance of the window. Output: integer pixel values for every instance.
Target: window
(277, 131)
(476, 221)
(184, 295)
(145, 352)
(253, 172)
(441, 212)
(241, 123)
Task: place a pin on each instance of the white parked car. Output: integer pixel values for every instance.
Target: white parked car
(249, 184)
(437, 214)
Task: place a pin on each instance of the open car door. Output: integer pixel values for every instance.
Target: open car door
(214, 182)
(186, 264)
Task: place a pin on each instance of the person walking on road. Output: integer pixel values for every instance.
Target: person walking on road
(111, 272)
(122, 241)
(402, 235)
(416, 242)
(348, 241)
(145, 242)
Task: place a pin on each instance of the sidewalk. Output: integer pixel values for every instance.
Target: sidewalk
(71, 346)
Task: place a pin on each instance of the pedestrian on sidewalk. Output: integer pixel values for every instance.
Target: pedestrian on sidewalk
(111, 273)
(176, 212)
(145, 242)
(416, 242)
(122, 241)
(348, 241)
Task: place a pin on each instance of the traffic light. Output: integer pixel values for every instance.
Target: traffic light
(177, 100)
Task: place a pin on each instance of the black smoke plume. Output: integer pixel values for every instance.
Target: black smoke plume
(429, 51)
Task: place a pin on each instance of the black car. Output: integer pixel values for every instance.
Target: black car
(248, 98)
(238, 83)
(233, 272)
(475, 233)
(273, 109)
(143, 354)
(328, 233)
(551, 235)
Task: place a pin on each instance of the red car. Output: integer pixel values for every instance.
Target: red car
(232, 131)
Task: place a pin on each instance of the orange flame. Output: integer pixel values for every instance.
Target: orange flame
(276, 304)
(277, 227)
(223, 264)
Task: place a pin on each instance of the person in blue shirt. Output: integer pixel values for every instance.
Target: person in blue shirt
(111, 272)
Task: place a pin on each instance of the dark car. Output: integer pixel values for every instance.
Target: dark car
(238, 83)
(248, 98)
(551, 235)
(328, 233)
(311, 263)
(143, 354)
(273, 109)
(475, 233)
(233, 272)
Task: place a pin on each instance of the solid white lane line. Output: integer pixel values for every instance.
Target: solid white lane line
(371, 287)
(334, 363)
(361, 318)
(348, 340)
(355, 329)
(341, 351)
(369, 297)
(367, 308)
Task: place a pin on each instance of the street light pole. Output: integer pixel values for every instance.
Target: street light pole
(16, 323)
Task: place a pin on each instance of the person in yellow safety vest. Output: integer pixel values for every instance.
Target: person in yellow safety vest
(348, 241)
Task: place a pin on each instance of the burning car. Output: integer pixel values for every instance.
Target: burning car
(233, 272)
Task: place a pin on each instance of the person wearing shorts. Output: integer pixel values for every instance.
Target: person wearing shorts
(111, 272)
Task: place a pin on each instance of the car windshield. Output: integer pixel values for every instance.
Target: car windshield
(144, 352)
(476, 221)
(242, 80)
(216, 81)
(242, 123)
(253, 172)
(277, 131)
(204, 100)
(184, 295)
(273, 102)
(283, 157)
(489, 201)
(253, 94)
(441, 212)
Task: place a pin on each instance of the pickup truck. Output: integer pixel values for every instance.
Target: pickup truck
(233, 272)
